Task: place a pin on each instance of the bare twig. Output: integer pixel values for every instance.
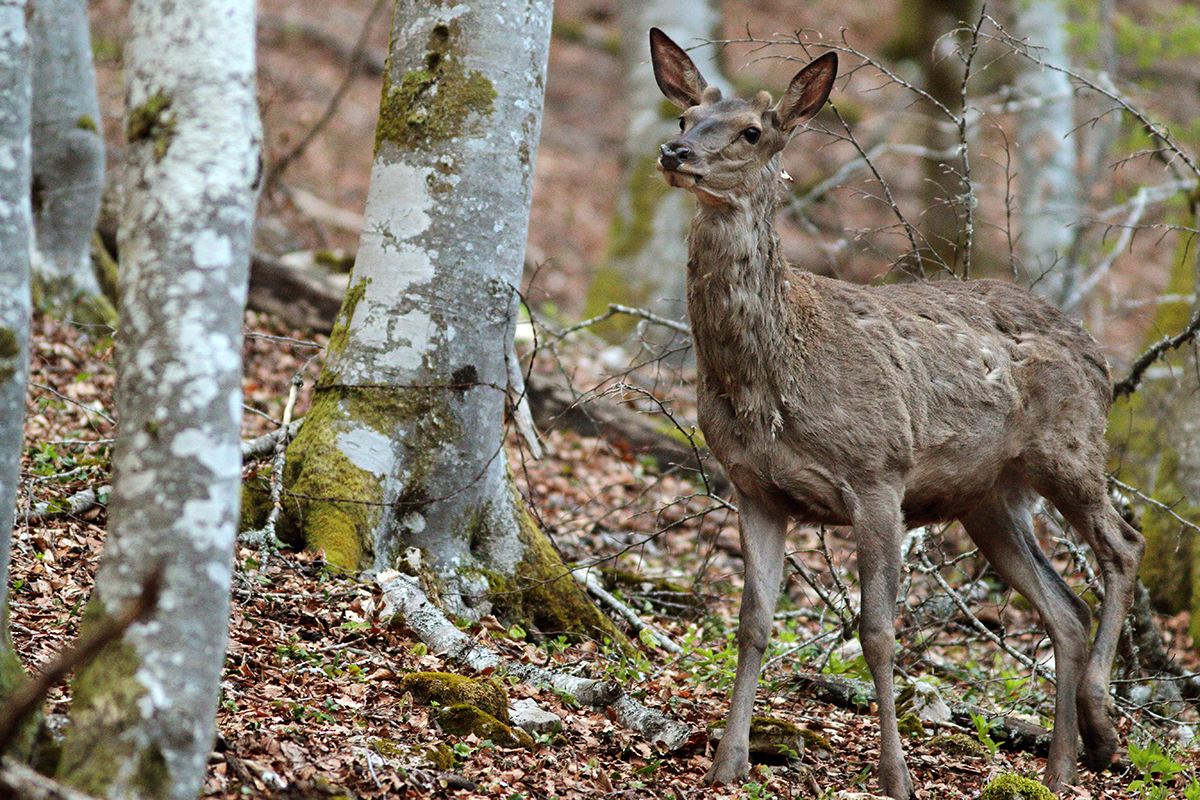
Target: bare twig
(660, 639)
(1130, 382)
(360, 49)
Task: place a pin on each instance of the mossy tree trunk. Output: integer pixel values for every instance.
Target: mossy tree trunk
(647, 250)
(1156, 433)
(404, 445)
(143, 714)
(68, 160)
(16, 234)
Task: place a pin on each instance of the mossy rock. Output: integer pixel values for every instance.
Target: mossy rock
(448, 689)
(815, 743)
(960, 744)
(440, 756)
(1014, 787)
(770, 738)
(910, 725)
(463, 720)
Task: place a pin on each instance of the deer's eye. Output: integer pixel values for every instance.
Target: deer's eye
(682, 124)
(751, 134)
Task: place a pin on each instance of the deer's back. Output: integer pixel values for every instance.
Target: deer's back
(949, 387)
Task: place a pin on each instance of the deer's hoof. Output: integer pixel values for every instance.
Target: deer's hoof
(896, 783)
(727, 771)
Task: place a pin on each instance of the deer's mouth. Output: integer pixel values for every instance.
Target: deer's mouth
(678, 177)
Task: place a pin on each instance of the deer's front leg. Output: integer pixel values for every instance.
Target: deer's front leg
(878, 528)
(762, 534)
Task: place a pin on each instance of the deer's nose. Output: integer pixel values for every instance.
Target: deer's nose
(672, 154)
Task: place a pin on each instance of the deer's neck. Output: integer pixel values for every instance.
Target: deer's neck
(751, 316)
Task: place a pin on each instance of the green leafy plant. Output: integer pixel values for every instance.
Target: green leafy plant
(851, 668)
(983, 730)
(1158, 771)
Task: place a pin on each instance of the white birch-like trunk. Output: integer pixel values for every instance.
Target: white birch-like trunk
(647, 252)
(68, 149)
(143, 716)
(16, 232)
(407, 420)
(1048, 186)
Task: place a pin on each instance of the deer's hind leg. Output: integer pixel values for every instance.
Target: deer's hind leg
(1002, 528)
(1118, 549)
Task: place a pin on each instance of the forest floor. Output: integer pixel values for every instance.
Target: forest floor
(310, 705)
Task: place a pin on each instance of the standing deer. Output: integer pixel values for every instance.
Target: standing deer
(886, 408)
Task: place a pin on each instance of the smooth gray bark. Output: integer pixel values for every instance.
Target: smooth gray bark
(645, 264)
(408, 414)
(16, 232)
(1048, 186)
(16, 229)
(68, 149)
(144, 711)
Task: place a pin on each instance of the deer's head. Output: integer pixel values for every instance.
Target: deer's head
(726, 148)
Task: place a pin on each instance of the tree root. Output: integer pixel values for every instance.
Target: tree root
(405, 598)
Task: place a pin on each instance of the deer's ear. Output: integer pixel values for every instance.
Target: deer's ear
(674, 71)
(807, 92)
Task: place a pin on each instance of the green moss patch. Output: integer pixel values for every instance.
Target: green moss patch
(546, 596)
(341, 326)
(910, 725)
(330, 503)
(1014, 787)
(438, 100)
(463, 720)
(448, 689)
(960, 744)
(106, 694)
(152, 121)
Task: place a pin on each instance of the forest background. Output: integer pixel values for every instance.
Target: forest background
(312, 702)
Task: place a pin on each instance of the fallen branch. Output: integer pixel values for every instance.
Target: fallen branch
(404, 597)
(72, 506)
(22, 782)
(660, 639)
(1010, 732)
(265, 445)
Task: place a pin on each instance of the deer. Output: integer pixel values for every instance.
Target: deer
(886, 408)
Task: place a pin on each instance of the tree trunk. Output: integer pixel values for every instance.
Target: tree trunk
(16, 232)
(144, 710)
(68, 155)
(1048, 188)
(647, 248)
(404, 444)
